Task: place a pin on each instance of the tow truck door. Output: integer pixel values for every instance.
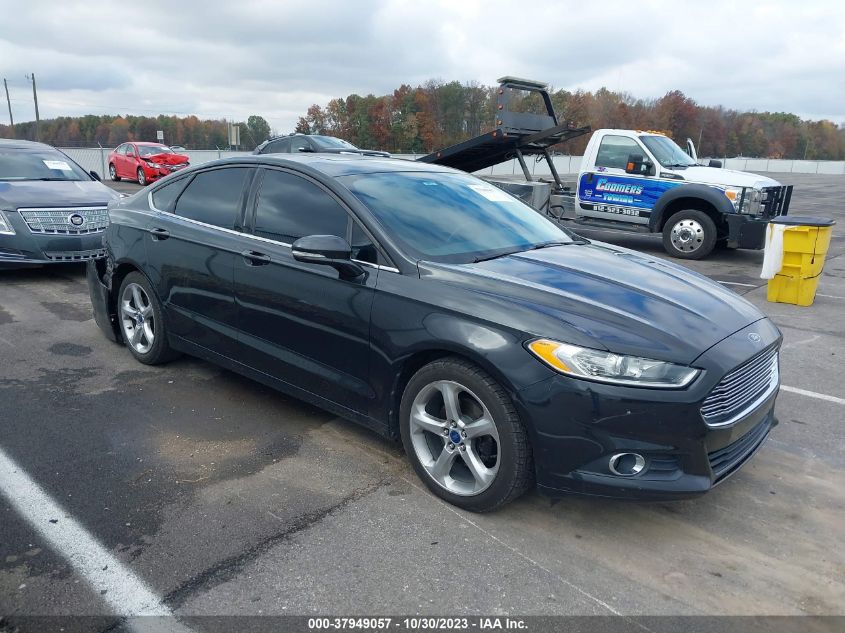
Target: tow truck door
(607, 192)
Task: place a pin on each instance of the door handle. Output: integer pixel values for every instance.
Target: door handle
(159, 234)
(254, 258)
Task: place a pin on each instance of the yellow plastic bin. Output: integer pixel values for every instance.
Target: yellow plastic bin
(805, 244)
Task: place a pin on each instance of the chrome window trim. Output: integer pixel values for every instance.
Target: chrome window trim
(389, 269)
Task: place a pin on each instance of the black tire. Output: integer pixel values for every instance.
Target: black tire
(159, 352)
(515, 464)
(142, 177)
(689, 234)
(113, 173)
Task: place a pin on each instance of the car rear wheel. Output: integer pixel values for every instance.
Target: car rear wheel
(113, 173)
(689, 234)
(142, 177)
(463, 436)
(141, 322)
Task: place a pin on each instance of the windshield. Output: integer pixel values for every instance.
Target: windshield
(667, 152)
(149, 150)
(26, 164)
(452, 217)
(331, 141)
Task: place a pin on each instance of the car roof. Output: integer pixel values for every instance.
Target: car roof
(11, 143)
(339, 164)
(147, 143)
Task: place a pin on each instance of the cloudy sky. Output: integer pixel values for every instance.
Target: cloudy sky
(275, 58)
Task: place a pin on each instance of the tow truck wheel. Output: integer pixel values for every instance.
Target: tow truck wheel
(689, 234)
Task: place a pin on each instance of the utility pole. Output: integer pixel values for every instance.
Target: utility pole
(35, 99)
(9, 103)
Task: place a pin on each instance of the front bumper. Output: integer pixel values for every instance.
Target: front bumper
(154, 173)
(26, 248)
(578, 425)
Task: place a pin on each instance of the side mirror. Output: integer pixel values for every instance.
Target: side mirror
(638, 164)
(714, 163)
(304, 149)
(95, 175)
(330, 250)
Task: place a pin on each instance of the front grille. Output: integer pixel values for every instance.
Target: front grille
(742, 390)
(75, 256)
(57, 221)
(726, 460)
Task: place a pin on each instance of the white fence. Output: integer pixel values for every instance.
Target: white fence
(96, 159)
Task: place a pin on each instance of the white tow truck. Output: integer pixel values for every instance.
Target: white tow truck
(630, 180)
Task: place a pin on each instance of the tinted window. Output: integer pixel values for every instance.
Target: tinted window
(165, 197)
(277, 147)
(299, 142)
(363, 248)
(290, 207)
(213, 196)
(451, 217)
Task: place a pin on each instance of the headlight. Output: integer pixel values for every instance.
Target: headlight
(5, 225)
(750, 202)
(593, 364)
(154, 165)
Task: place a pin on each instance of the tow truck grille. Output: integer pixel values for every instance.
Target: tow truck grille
(742, 390)
(60, 221)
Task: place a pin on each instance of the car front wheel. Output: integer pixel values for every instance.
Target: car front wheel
(463, 436)
(142, 177)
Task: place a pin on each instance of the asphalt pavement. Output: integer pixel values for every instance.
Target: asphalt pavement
(218, 496)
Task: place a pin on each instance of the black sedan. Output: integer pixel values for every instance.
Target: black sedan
(431, 306)
(299, 143)
(51, 210)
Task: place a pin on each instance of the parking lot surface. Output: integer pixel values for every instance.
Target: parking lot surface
(220, 496)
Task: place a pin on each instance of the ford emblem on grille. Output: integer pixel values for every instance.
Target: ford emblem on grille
(76, 219)
(754, 337)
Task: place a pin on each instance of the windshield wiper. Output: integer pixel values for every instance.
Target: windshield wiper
(55, 179)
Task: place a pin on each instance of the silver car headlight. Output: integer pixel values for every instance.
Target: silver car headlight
(601, 366)
(6, 227)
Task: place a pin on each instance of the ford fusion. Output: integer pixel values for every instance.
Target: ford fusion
(51, 210)
(427, 305)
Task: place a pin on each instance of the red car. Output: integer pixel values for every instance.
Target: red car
(144, 162)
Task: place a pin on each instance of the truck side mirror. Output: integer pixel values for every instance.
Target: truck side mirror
(638, 164)
(714, 163)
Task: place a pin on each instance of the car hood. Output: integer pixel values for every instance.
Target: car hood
(724, 177)
(610, 298)
(52, 193)
(166, 158)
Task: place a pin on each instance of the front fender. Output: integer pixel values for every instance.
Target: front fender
(711, 195)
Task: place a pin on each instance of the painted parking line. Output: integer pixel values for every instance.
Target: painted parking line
(118, 585)
(736, 283)
(812, 394)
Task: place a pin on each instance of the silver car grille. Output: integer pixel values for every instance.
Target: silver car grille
(742, 390)
(63, 220)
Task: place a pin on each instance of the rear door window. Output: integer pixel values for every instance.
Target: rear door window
(164, 197)
(214, 196)
(290, 207)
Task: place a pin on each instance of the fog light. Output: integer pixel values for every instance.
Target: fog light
(626, 464)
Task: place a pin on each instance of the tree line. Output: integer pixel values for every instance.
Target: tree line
(437, 114)
(112, 130)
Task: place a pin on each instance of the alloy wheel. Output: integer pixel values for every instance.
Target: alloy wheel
(137, 318)
(455, 437)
